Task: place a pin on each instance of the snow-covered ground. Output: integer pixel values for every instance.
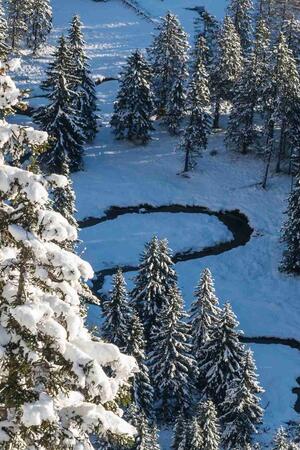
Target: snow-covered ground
(266, 301)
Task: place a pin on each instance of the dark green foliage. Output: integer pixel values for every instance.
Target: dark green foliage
(60, 117)
(133, 108)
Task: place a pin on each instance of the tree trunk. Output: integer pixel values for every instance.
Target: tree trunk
(217, 114)
(187, 159)
(269, 145)
(281, 149)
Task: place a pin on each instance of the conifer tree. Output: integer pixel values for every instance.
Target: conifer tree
(291, 232)
(207, 27)
(170, 361)
(209, 427)
(175, 107)
(281, 440)
(288, 97)
(241, 412)
(153, 283)
(204, 315)
(223, 357)
(39, 23)
(85, 85)
(18, 13)
(54, 384)
(228, 67)
(117, 313)
(132, 111)
(240, 12)
(142, 388)
(241, 133)
(179, 437)
(168, 56)
(146, 431)
(60, 116)
(4, 49)
(199, 125)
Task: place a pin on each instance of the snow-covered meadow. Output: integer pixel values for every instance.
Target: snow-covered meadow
(120, 174)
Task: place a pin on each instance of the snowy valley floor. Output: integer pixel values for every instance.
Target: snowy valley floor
(120, 174)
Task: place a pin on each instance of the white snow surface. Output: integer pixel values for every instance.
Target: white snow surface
(117, 173)
(121, 241)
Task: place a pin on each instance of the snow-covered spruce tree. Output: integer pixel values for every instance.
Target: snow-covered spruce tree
(171, 364)
(85, 86)
(18, 13)
(60, 117)
(168, 55)
(209, 425)
(207, 27)
(134, 105)
(117, 313)
(153, 283)
(179, 436)
(4, 49)
(228, 67)
(204, 315)
(291, 232)
(280, 441)
(143, 393)
(194, 140)
(51, 368)
(146, 432)
(223, 357)
(241, 13)
(39, 24)
(288, 97)
(241, 132)
(176, 106)
(241, 412)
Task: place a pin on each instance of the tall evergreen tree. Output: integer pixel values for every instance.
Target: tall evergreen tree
(132, 111)
(56, 377)
(85, 85)
(223, 357)
(179, 436)
(170, 362)
(209, 427)
(291, 232)
(283, 105)
(207, 27)
(204, 315)
(146, 432)
(176, 106)
(18, 13)
(168, 56)
(117, 313)
(281, 440)
(199, 124)
(228, 67)
(288, 97)
(241, 14)
(153, 283)
(4, 49)
(142, 388)
(39, 23)
(241, 131)
(241, 412)
(60, 116)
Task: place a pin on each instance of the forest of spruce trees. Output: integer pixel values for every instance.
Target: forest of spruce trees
(62, 385)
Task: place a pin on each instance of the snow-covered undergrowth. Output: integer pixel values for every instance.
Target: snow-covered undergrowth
(266, 301)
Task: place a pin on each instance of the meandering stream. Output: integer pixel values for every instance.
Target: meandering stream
(234, 220)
